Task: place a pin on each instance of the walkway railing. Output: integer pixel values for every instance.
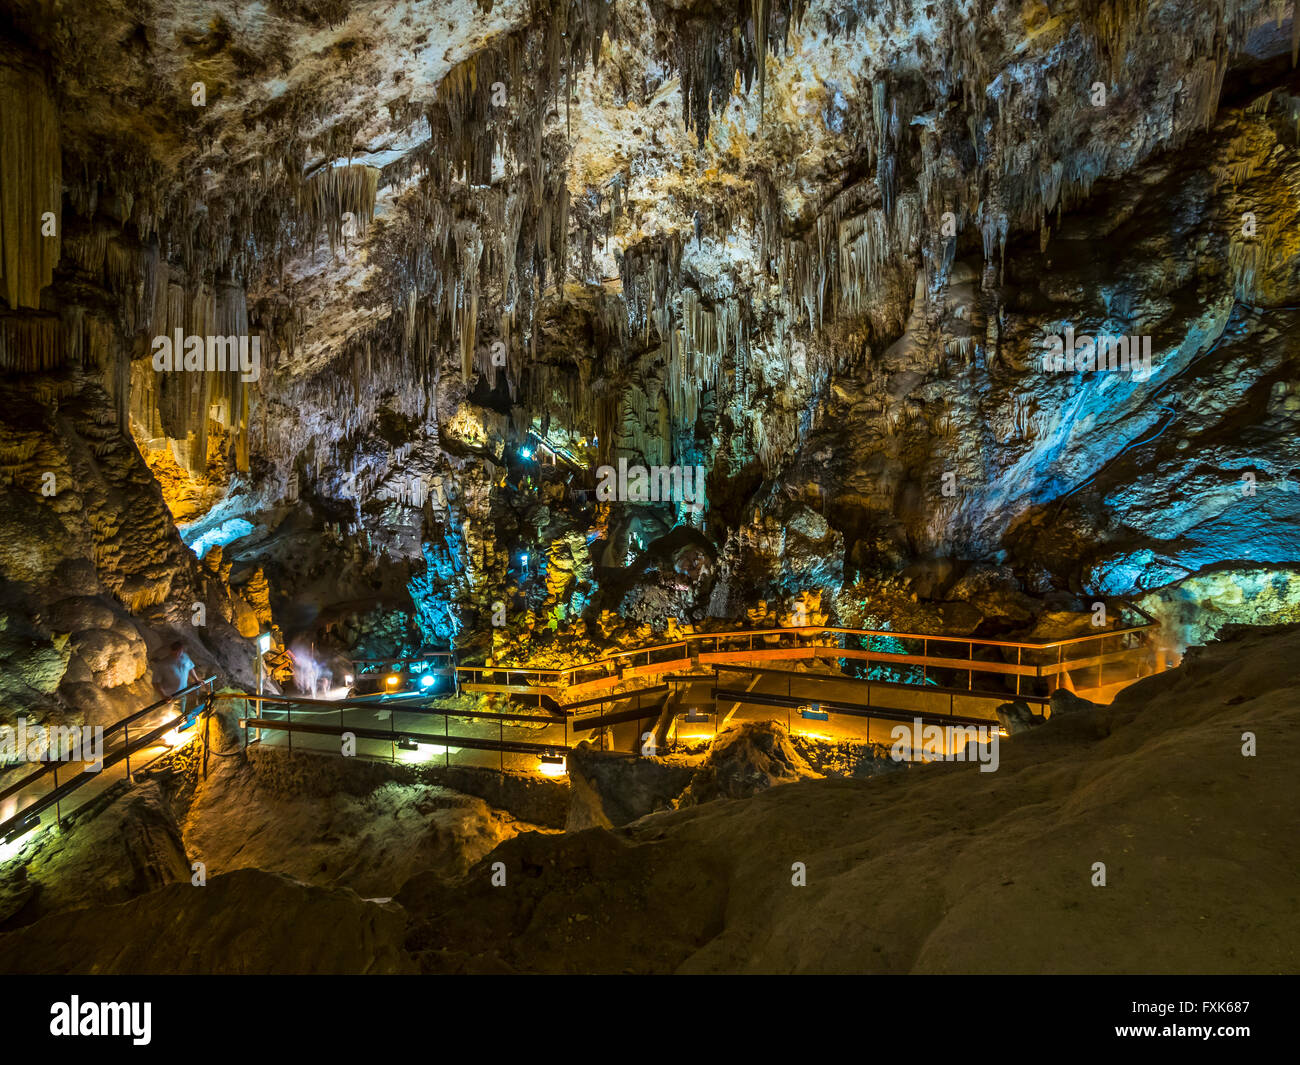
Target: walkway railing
(321, 725)
(39, 791)
(1106, 656)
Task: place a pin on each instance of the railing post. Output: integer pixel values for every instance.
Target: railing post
(126, 739)
(288, 713)
(207, 728)
(1019, 651)
(58, 817)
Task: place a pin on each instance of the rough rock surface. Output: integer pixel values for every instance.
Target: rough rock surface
(611, 788)
(243, 922)
(815, 251)
(901, 872)
(335, 823)
(121, 846)
(1017, 717)
(744, 760)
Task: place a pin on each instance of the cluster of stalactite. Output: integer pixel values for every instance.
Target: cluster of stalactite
(31, 198)
(497, 248)
(464, 245)
(316, 424)
(1018, 188)
(857, 257)
(330, 194)
(468, 253)
(152, 299)
(711, 47)
(488, 232)
(179, 405)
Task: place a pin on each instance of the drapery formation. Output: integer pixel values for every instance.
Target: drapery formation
(31, 205)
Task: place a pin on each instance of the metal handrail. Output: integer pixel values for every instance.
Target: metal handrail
(109, 730)
(620, 657)
(82, 778)
(684, 643)
(338, 705)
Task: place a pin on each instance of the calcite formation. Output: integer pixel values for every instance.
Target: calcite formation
(816, 251)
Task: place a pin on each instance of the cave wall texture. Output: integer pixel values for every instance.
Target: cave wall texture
(814, 248)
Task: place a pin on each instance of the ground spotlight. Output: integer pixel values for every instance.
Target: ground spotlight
(22, 827)
(552, 765)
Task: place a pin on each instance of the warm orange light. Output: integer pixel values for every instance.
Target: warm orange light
(552, 766)
(177, 738)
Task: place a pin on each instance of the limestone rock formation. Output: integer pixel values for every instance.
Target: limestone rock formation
(612, 788)
(745, 760)
(124, 846)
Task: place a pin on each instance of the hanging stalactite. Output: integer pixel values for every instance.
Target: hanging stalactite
(31, 186)
(329, 194)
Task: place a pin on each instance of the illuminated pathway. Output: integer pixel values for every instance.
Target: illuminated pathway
(685, 691)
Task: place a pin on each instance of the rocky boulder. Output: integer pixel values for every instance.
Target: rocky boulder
(1066, 702)
(745, 760)
(612, 788)
(123, 844)
(1017, 717)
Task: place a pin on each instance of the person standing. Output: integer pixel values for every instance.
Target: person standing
(175, 672)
